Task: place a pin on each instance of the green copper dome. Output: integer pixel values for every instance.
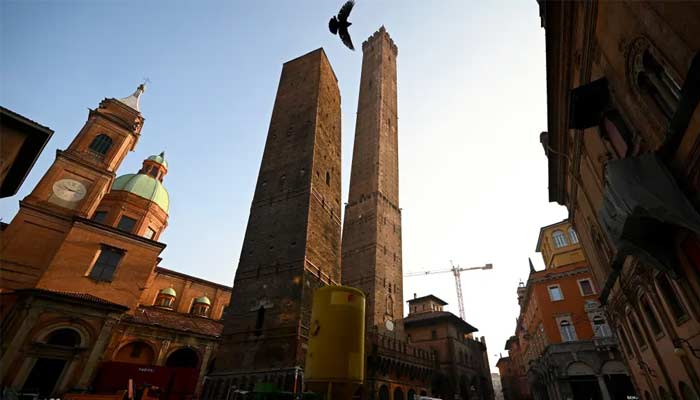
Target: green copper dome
(144, 186)
(203, 299)
(160, 159)
(169, 291)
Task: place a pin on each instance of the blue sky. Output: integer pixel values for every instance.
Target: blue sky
(472, 102)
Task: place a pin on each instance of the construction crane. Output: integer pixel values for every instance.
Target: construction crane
(456, 270)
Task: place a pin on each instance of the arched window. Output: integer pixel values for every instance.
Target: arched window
(650, 316)
(636, 332)
(656, 83)
(389, 305)
(559, 239)
(64, 337)
(398, 394)
(101, 144)
(671, 298)
(572, 236)
(601, 327)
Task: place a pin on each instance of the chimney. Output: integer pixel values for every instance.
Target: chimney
(414, 295)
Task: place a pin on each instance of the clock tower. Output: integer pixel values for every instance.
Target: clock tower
(72, 187)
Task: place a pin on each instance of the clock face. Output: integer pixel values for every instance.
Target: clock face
(69, 190)
(389, 325)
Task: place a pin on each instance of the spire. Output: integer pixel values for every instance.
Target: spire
(532, 267)
(133, 100)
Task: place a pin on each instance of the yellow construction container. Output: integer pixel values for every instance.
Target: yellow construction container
(335, 358)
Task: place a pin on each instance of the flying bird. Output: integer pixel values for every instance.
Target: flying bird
(339, 25)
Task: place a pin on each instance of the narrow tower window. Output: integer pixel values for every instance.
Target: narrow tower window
(259, 321)
(101, 144)
(328, 178)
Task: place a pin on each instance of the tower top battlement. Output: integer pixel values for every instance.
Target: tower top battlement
(378, 35)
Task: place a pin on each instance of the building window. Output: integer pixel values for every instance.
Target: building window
(636, 332)
(555, 293)
(656, 83)
(586, 287)
(106, 263)
(625, 343)
(154, 172)
(671, 298)
(328, 178)
(200, 309)
(259, 321)
(568, 332)
(651, 317)
(433, 334)
(149, 233)
(126, 224)
(100, 216)
(101, 144)
(165, 301)
(601, 327)
(572, 236)
(559, 239)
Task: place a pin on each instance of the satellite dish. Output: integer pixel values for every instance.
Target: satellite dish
(389, 325)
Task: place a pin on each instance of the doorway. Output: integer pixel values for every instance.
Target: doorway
(44, 376)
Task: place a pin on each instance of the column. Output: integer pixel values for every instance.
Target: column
(31, 314)
(603, 387)
(203, 370)
(96, 353)
(160, 358)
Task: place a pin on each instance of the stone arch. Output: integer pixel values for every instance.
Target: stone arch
(136, 352)
(383, 392)
(411, 395)
(398, 393)
(613, 367)
(183, 357)
(578, 368)
(79, 327)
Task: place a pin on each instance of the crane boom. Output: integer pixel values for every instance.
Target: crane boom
(456, 271)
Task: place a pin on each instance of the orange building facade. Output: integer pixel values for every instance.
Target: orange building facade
(622, 142)
(563, 346)
(85, 306)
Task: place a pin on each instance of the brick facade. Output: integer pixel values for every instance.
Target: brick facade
(292, 242)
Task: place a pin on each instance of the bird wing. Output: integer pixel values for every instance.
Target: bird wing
(344, 12)
(345, 37)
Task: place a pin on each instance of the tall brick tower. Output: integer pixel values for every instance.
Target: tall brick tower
(292, 242)
(371, 248)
